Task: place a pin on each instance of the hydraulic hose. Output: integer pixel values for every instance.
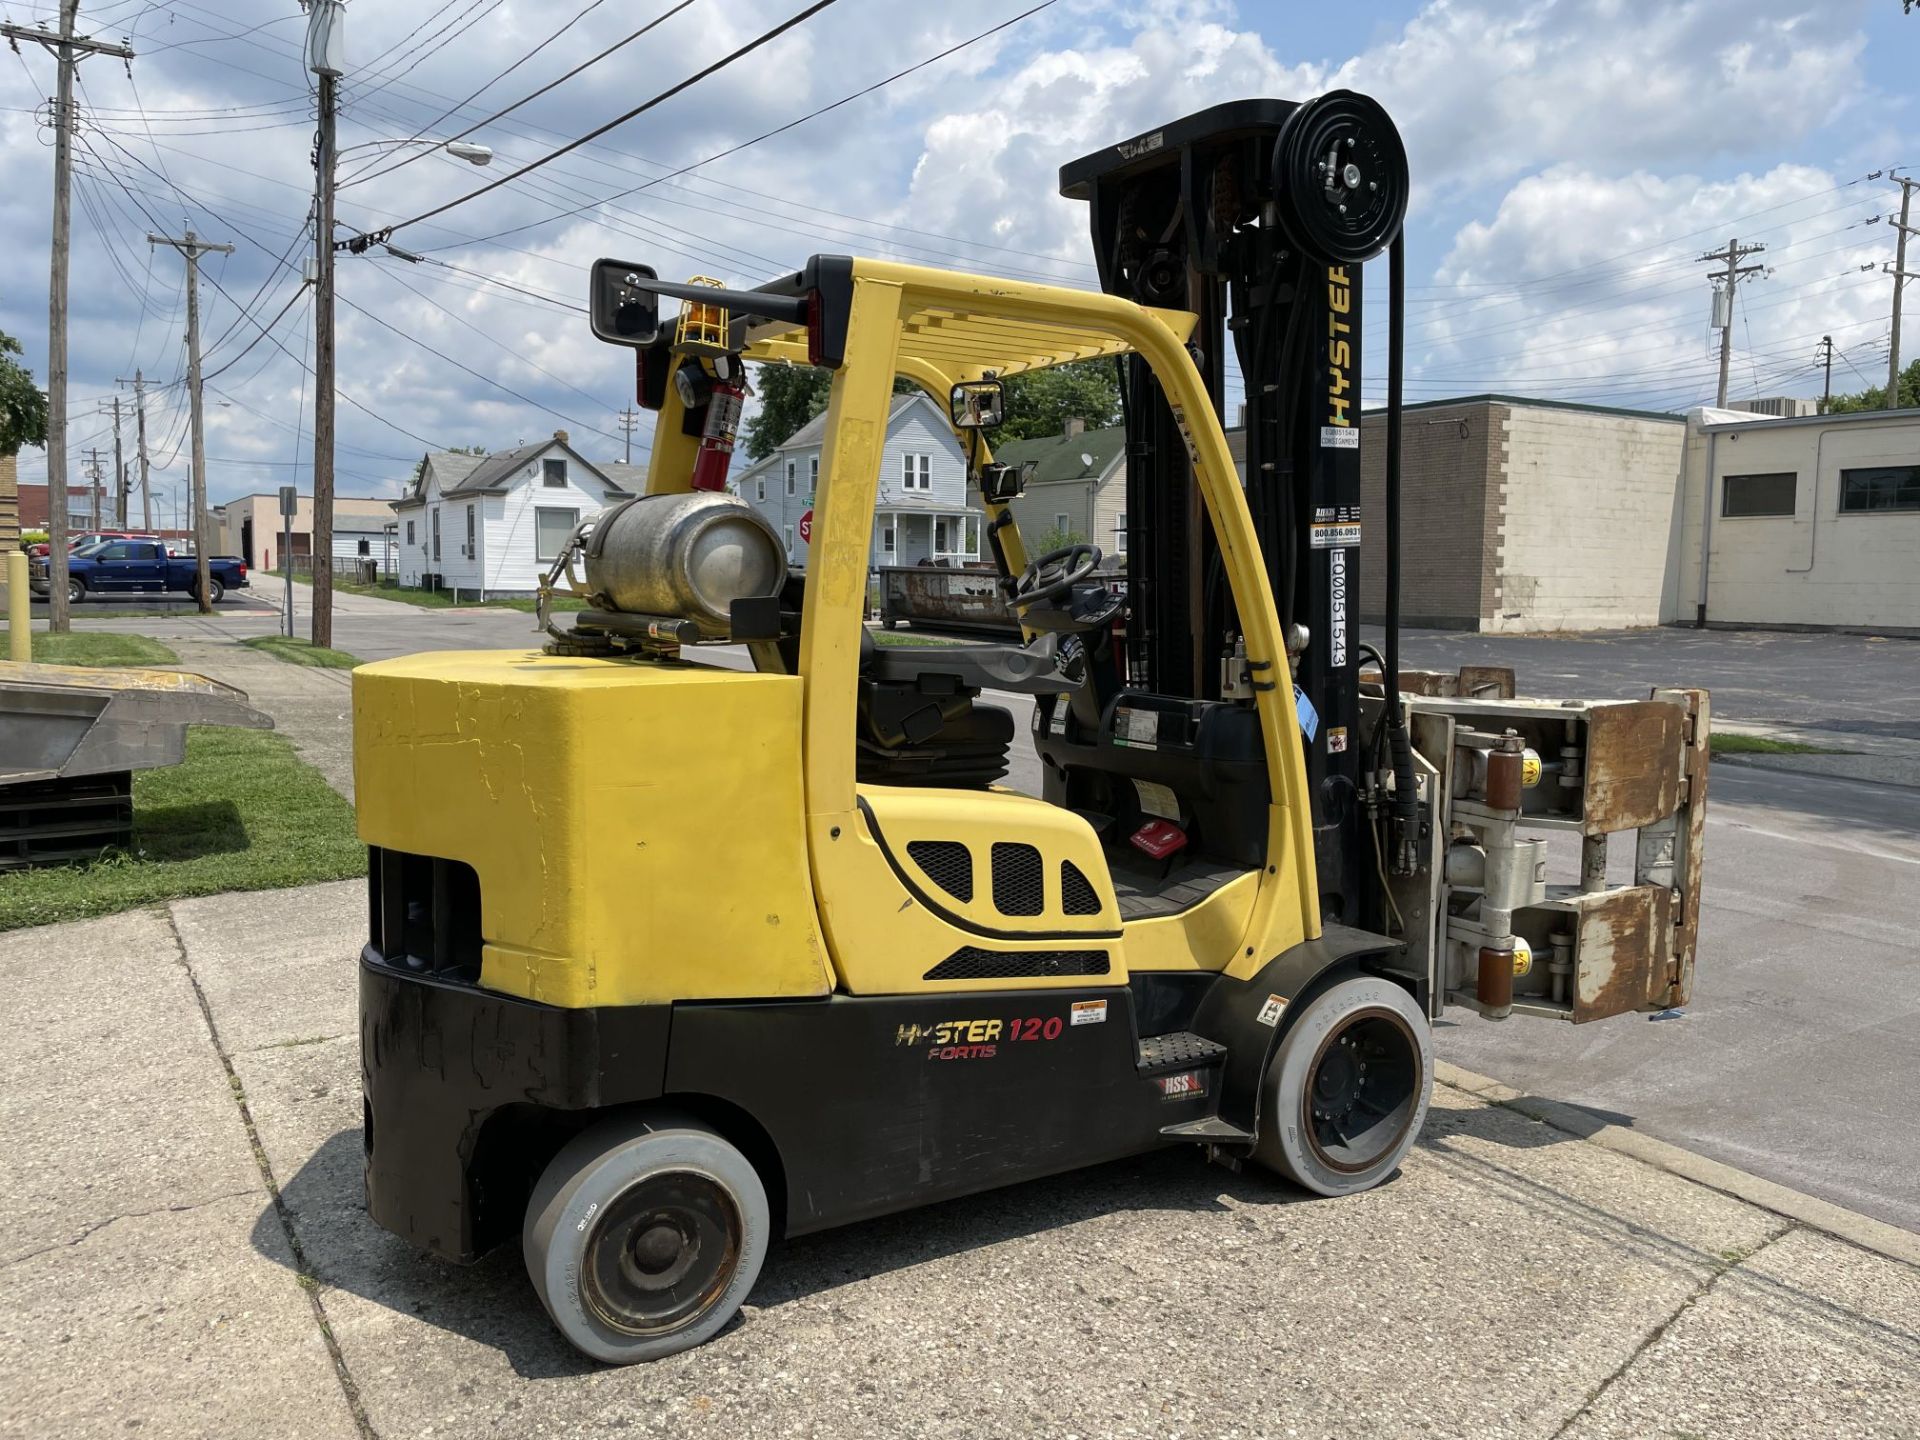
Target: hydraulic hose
(1405, 806)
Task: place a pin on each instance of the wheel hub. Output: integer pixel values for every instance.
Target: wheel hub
(1362, 1090)
(661, 1253)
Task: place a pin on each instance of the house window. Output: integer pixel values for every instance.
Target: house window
(470, 551)
(943, 535)
(553, 473)
(1883, 487)
(552, 526)
(1120, 533)
(886, 539)
(409, 532)
(434, 521)
(793, 469)
(760, 488)
(1746, 496)
(364, 550)
(1060, 522)
(789, 528)
(916, 472)
(813, 475)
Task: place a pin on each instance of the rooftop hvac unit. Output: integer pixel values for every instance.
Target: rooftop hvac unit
(1786, 407)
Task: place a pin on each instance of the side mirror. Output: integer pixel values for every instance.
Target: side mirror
(1000, 484)
(977, 404)
(621, 307)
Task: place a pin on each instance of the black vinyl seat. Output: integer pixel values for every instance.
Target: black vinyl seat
(919, 720)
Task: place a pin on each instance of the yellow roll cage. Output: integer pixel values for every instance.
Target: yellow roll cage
(938, 328)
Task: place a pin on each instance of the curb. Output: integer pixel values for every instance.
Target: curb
(1822, 1215)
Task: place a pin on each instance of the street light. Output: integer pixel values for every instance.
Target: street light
(459, 149)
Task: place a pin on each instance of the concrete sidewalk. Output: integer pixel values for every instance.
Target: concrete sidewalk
(186, 1254)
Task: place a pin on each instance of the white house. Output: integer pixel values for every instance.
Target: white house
(925, 512)
(493, 523)
(1078, 488)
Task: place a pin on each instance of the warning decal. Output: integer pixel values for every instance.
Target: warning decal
(1271, 1012)
(1089, 1012)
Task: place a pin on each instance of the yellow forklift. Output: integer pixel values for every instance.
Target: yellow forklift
(670, 958)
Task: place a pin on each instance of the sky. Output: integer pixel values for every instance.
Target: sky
(1572, 159)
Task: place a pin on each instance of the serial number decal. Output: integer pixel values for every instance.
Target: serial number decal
(1337, 599)
(981, 1039)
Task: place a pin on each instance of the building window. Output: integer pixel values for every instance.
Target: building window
(553, 473)
(1060, 522)
(886, 539)
(760, 488)
(434, 521)
(552, 527)
(409, 532)
(916, 472)
(1120, 533)
(365, 549)
(1745, 496)
(471, 550)
(793, 470)
(813, 475)
(1883, 487)
(789, 528)
(944, 535)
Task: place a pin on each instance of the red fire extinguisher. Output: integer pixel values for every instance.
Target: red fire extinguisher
(715, 456)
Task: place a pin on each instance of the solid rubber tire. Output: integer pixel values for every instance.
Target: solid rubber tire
(591, 1171)
(1281, 1147)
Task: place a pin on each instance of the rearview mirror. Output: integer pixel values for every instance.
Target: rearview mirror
(621, 309)
(977, 404)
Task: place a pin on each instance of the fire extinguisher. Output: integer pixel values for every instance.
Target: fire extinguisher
(715, 457)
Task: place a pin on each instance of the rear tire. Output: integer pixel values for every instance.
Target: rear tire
(216, 592)
(1348, 1090)
(644, 1236)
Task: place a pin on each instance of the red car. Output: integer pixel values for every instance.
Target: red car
(41, 550)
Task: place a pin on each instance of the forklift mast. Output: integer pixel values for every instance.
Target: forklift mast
(1257, 215)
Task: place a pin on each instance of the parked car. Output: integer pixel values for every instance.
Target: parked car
(85, 539)
(144, 566)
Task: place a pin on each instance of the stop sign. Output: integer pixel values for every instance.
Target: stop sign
(806, 527)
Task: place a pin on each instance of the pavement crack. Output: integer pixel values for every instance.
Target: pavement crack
(1725, 1265)
(90, 1230)
(303, 1271)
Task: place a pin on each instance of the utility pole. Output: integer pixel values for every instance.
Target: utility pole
(69, 49)
(1725, 283)
(193, 249)
(1900, 275)
(629, 421)
(325, 42)
(139, 383)
(93, 475)
(1826, 395)
(119, 472)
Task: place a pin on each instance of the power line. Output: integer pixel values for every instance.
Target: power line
(373, 172)
(778, 129)
(765, 38)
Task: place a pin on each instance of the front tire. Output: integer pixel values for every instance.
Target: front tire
(644, 1237)
(1348, 1090)
(76, 592)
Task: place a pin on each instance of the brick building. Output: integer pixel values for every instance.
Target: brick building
(1521, 514)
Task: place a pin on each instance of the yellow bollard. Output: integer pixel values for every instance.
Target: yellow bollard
(19, 616)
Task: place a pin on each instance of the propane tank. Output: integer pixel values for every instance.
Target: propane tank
(688, 556)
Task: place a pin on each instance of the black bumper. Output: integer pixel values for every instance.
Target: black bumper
(468, 1092)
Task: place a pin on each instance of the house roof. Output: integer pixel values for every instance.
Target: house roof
(1086, 456)
(463, 474)
(815, 430)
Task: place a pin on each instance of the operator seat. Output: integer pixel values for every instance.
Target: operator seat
(919, 720)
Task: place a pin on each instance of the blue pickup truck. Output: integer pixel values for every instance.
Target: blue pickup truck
(121, 567)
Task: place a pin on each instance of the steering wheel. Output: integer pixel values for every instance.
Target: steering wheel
(1055, 574)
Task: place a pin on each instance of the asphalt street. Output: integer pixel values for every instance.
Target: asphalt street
(1795, 1058)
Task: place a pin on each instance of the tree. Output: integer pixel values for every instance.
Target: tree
(23, 405)
(1875, 397)
(1042, 403)
(790, 396)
